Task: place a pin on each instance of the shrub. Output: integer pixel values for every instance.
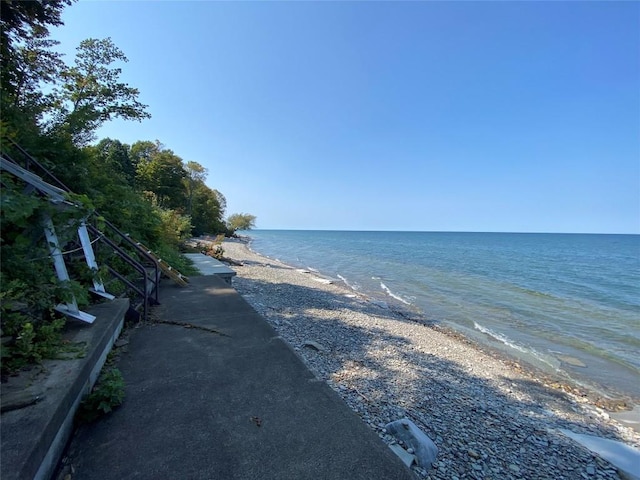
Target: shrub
(29, 288)
(107, 394)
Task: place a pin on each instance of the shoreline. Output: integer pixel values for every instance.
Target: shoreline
(488, 414)
(609, 399)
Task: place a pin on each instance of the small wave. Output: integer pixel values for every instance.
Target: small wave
(393, 295)
(511, 344)
(354, 286)
(314, 270)
(500, 337)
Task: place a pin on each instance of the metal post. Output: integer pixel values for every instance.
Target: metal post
(71, 308)
(87, 248)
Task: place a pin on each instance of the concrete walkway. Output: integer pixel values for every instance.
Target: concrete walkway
(211, 266)
(223, 397)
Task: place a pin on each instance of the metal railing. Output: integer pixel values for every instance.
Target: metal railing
(133, 263)
(150, 273)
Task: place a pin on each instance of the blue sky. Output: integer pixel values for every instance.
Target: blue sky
(434, 116)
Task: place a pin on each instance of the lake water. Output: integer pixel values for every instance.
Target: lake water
(566, 303)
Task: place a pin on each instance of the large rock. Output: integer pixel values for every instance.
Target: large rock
(624, 457)
(423, 447)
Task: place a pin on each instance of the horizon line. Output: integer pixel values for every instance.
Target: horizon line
(438, 231)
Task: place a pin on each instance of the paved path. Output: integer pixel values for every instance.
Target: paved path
(211, 266)
(241, 405)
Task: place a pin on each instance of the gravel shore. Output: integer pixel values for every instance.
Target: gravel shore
(489, 417)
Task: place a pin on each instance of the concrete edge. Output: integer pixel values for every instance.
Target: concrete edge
(65, 430)
(39, 452)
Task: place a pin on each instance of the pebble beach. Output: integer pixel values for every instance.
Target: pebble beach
(489, 416)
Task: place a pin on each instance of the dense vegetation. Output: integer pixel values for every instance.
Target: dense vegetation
(52, 109)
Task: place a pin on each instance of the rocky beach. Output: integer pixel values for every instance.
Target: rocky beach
(489, 416)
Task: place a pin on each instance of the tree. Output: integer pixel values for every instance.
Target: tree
(20, 21)
(161, 172)
(174, 227)
(196, 175)
(28, 63)
(204, 205)
(142, 151)
(241, 221)
(206, 215)
(34, 65)
(18, 18)
(114, 157)
(51, 120)
(92, 93)
(222, 201)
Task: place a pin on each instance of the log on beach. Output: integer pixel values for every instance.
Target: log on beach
(489, 417)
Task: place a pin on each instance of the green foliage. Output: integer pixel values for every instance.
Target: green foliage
(107, 394)
(196, 175)
(206, 214)
(160, 171)
(176, 260)
(174, 228)
(17, 209)
(36, 65)
(48, 339)
(30, 344)
(113, 156)
(29, 288)
(23, 345)
(241, 221)
(52, 110)
(222, 202)
(19, 18)
(20, 21)
(92, 93)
